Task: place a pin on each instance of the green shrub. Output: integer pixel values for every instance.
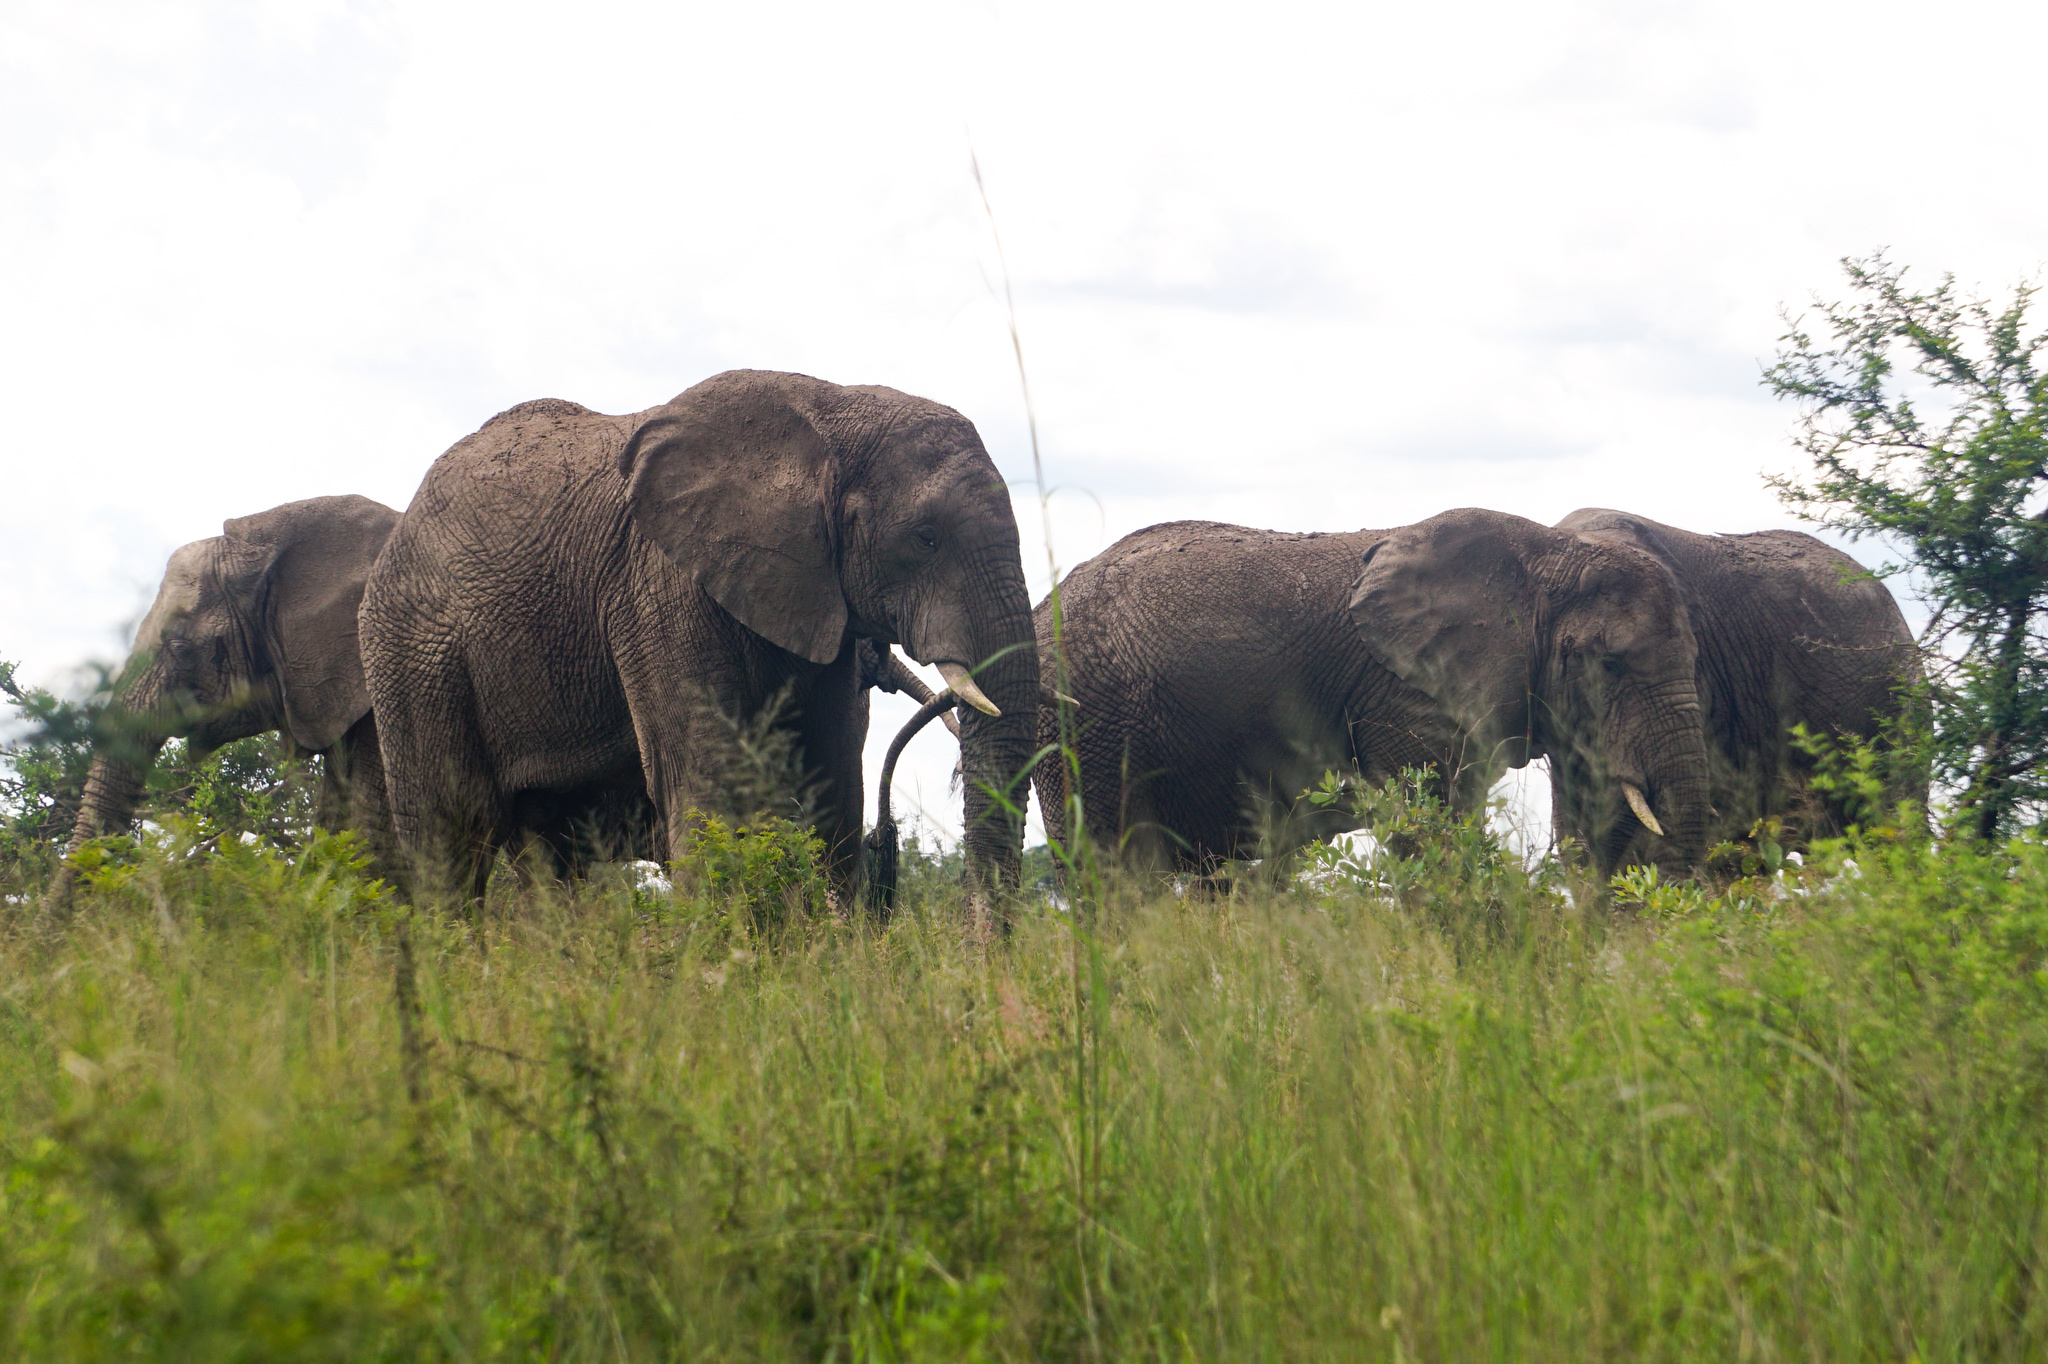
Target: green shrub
(759, 876)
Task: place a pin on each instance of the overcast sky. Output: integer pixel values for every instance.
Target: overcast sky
(1297, 266)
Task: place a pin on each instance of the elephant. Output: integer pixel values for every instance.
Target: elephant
(1540, 642)
(252, 630)
(1216, 677)
(578, 604)
(1220, 670)
(1789, 631)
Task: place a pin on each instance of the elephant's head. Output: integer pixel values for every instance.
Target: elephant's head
(252, 630)
(815, 513)
(1542, 643)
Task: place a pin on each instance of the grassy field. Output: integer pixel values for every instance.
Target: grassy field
(1414, 1110)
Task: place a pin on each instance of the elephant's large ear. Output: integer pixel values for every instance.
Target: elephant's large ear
(734, 481)
(1448, 605)
(310, 560)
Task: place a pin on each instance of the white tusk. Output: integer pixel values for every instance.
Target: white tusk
(1049, 697)
(1642, 808)
(964, 688)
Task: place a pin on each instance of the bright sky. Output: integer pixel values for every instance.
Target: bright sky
(1297, 266)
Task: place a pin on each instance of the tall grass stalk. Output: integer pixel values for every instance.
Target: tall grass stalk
(1073, 852)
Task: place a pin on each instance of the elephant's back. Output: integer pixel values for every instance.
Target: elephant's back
(1832, 628)
(1783, 579)
(522, 521)
(1203, 587)
(1204, 655)
(1790, 629)
(1837, 596)
(499, 585)
(522, 462)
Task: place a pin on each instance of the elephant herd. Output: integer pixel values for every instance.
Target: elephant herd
(1221, 670)
(555, 646)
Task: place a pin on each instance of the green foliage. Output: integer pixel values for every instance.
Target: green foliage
(1947, 463)
(1853, 775)
(1039, 873)
(762, 876)
(254, 788)
(42, 774)
(1426, 859)
(927, 870)
(1645, 889)
(1801, 1118)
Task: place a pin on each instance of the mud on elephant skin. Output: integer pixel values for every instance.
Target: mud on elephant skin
(252, 630)
(1217, 676)
(578, 600)
(1789, 631)
(1538, 642)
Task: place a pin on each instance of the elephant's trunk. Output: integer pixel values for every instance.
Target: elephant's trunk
(1680, 794)
(995, 750)
(879, 852)
(125, 753)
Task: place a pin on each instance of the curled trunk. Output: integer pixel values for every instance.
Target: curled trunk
(879, 851)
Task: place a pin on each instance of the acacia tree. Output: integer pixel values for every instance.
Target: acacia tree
(1923, 414)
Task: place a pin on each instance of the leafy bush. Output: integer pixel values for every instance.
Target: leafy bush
(1423, 858)
(760, 876)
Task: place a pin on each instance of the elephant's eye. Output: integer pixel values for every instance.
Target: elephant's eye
(1613, 665)
(927, 538)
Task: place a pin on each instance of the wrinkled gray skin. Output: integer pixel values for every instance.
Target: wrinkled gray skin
(253, 630)
(564, 835)
(1536, 642)
(575, 604)
(1789, 631)
(1217, 677)
(1221, 670)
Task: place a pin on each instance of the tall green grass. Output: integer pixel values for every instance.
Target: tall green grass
(1433, 1108)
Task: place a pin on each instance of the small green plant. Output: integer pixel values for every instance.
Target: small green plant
(42, 777)
(1761, 853)
(1656, 898)
(1421, 856)
(757, 876)
(255, 787)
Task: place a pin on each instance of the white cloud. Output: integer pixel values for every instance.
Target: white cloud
(1310, 266)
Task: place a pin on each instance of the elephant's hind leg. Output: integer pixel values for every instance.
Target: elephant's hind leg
(446, 811)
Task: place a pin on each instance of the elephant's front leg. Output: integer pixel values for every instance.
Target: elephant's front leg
(832, 731)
